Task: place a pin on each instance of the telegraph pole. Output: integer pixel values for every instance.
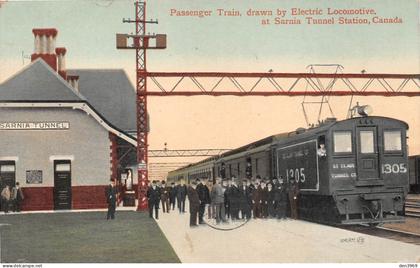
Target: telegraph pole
(141, 42)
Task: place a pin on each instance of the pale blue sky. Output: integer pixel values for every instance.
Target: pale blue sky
(87, 29)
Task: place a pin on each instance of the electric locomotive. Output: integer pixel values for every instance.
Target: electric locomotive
(349, 172)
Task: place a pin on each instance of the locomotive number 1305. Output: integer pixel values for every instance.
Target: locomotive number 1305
(297, 173)
(393, 168)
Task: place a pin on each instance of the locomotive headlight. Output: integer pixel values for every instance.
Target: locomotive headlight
(364, 110)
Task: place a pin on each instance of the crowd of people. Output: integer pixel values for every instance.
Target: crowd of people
(226, 199)
(11, 198)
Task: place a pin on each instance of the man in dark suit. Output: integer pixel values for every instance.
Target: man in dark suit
(256, 200)
(204, 196)
(280, 199)
(172, 195)
(264, 200)
(194, 203)
(235, 201)
(227, 198)
(164, 196)
(245, 199)
(153, 197)
(111, 199)
(270, 200)
(293, 198)
(181, 194)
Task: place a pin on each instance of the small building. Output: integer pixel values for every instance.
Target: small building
(65, 133)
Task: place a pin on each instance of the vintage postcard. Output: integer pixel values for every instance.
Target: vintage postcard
(224, 132)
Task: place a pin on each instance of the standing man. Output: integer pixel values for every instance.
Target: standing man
(164, 196)
(204, 196)
(218, 200)
(17, 197)
(111, 199)
(246, 196)
(280, 199)
(270, 200)
(181, 195)
(293, 198)
(194, 203)
(256, 200)
(227, 198)
(235, 199)
(5, 198)
(153, 198)
(264, 200)
(172, 195)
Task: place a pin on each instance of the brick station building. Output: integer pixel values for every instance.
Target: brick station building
(65, 133)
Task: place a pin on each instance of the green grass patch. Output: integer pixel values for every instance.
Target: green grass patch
(84, 237)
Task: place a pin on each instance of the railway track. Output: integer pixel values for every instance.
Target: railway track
(384, 232)
(412, 206)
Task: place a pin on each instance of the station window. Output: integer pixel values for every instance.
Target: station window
(342, 142)
(392, 140)
(367, 142)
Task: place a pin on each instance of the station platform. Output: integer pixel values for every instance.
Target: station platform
(274, 241)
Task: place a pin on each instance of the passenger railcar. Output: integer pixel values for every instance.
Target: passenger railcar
(349, 172)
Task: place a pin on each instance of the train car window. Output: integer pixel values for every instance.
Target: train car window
(392, 140)
(342, 142)
(321, 151)
(367, 142)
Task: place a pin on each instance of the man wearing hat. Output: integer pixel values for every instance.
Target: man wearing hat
(227, 194)
(153, 198)
(293, 198)
(235, 200)
(111, 199)
(246, 199)
(164, 196)
(204, 196)
(194, 203)
(280, 199)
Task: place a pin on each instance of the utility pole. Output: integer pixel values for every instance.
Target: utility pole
(141, 42)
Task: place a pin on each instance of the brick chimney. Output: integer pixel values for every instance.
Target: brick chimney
(61, 61)
(45, 46)
(73, 81)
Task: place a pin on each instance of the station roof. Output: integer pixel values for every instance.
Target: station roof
(38, 82)
(111, 93)
(107, 93)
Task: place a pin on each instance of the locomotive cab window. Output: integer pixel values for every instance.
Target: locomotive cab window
(342, 142)
(367, 142)
(392, 141)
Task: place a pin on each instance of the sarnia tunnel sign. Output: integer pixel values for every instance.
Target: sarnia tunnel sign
(55, 125)
(300, 162)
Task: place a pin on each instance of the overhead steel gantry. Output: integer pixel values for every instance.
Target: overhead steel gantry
(285, 84)
(186, 153)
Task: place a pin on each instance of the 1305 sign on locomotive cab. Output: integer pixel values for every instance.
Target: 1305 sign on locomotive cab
(394, 168)
(300, 162)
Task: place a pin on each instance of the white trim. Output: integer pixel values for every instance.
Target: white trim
(9, 158)
(317, 166)
(61, 157)
(75, 105)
